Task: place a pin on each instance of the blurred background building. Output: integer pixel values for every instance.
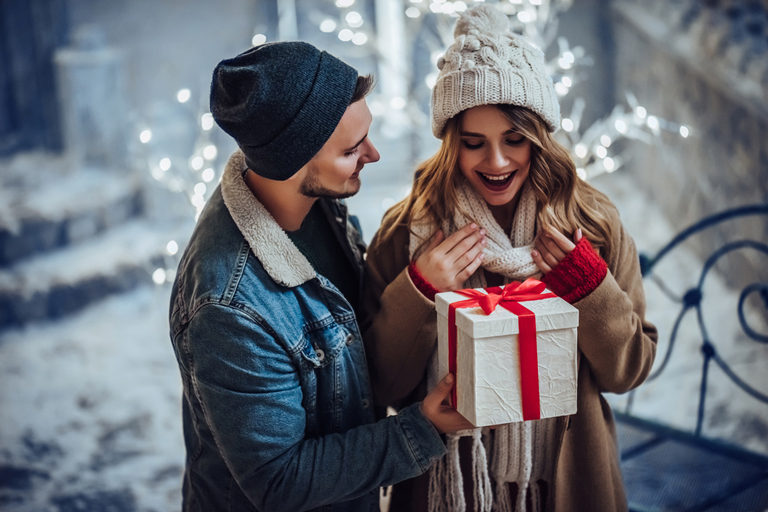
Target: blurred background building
(108, 152)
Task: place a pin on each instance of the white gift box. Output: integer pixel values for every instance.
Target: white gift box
(487, 359)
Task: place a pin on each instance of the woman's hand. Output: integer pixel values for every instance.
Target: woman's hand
(551, 248)
(447, 262)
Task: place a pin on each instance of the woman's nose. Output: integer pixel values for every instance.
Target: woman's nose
(497, 159)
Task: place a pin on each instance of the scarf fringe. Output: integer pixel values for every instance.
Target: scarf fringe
(446, 485)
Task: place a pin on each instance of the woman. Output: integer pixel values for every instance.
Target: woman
(501, 202)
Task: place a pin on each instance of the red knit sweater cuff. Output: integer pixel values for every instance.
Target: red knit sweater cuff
(422, 284)
(578, 274)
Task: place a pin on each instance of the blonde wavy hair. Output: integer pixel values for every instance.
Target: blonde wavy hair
(564, 202)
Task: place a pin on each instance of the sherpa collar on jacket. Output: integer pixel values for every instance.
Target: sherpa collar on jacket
(270, 244)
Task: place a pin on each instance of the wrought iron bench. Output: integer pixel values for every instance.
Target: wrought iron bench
(672, 470)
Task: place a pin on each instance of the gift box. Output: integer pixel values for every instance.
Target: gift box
(512, 351)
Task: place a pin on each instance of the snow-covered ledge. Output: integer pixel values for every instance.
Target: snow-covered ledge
(719, 48)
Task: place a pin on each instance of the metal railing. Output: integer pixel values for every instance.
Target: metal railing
(692, 299)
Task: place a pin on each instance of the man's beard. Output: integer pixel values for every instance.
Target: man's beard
(311, 187)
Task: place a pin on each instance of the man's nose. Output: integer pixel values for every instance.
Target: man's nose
(371, 154)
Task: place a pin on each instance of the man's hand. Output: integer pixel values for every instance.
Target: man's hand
(447, 262)
(443, 417)
(551, 248)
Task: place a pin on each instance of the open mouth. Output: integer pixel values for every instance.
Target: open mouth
(496, 182)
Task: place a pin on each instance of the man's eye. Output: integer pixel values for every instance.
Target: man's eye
(353, 152)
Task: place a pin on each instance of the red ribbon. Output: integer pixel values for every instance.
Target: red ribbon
(509, 298)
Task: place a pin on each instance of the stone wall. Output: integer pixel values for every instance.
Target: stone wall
(703, 65)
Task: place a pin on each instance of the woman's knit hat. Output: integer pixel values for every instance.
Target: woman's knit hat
(281, 102)
(488, 64)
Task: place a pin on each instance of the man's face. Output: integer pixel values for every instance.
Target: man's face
(335, 170)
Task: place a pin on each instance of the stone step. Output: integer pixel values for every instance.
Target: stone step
(61, 210)
(56, 284)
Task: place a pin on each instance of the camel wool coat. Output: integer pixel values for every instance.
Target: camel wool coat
(616, 351)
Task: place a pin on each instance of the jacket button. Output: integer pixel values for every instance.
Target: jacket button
(320, 355)
(366, 403)
(349, 339)
(340, 220)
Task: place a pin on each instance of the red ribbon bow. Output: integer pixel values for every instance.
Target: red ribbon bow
(509, 298)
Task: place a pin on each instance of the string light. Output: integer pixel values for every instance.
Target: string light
(346, 34)
(206, 121)
(601, 152)
(197, 163)
(354, 19)
(258, 39)
(605, 140)
(397, 103)
(158, 276)
(145, 136)
(210, 152)
(198, 201)
(208, 175)
(567, 125)
(412, 12)
(621, 126)
(172, 247)
(641, 112)
(328, 25)
(684, 132)
(343, 4)
(165, 164)
(359, 39)
(580, 150)
(183, 95)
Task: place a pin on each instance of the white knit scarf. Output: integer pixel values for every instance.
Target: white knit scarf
(511, 446)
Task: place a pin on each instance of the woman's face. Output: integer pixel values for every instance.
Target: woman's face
(492, 155)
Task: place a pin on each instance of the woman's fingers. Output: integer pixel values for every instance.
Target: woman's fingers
(446, 259)
(456, 245)
(553, 248)
(561, 241)
(547, 256)
(470, 269)
(543, 266)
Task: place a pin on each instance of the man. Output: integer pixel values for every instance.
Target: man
(277, 405)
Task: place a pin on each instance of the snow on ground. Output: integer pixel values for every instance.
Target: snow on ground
(91, 411)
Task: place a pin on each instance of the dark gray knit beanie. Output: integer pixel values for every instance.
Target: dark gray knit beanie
(281, 102)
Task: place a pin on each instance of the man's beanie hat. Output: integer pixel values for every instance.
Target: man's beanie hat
(488, 64)
(281, 102)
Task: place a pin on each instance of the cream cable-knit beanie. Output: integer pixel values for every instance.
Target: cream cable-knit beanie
(488, 64)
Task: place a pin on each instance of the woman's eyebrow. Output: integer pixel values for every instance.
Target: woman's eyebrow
(473, 134)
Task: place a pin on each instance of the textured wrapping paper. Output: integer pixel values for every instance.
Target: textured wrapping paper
(488, 379)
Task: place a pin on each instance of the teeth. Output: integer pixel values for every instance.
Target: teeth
(501, 177)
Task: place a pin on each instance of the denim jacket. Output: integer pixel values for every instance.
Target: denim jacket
(277, 409)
